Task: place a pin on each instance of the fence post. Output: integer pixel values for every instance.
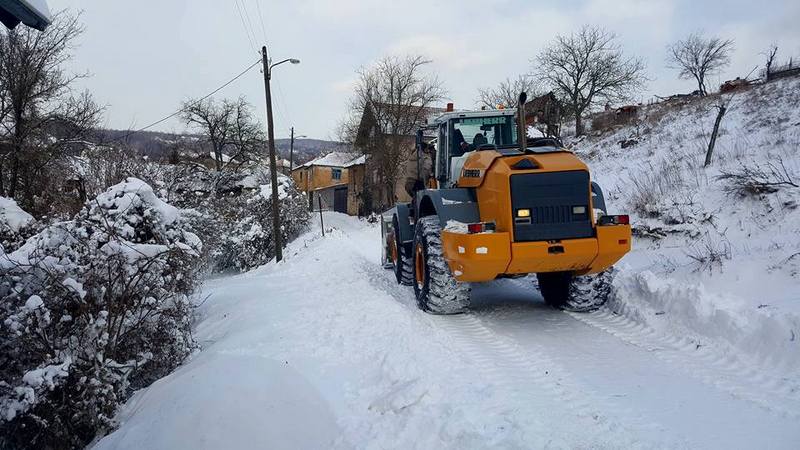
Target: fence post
(321, 223)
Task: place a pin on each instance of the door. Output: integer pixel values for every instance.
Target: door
(340, 199)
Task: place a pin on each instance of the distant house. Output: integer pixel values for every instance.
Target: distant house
(356, 170)
(546, 110)
(326, 181)
(374, 131)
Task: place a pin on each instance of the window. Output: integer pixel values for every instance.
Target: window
(472, 132)
(336, 174)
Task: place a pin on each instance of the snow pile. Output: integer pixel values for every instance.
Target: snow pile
(717, 249)
(12, 217)
(15, 224)
(90, 308)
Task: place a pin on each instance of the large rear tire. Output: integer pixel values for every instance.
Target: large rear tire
(437, 291)
(584, 293)
(401, 262)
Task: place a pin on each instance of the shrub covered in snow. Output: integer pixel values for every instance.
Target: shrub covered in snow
(237, 229)
(16, 225)
(89, 309)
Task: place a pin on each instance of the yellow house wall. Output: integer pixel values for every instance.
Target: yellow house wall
(316, 177)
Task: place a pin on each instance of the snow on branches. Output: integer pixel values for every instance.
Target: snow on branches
(89, 309)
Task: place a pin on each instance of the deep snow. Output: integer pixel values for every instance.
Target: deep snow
(326, 350)
(746, 301)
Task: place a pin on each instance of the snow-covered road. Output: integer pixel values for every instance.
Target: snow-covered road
(326, 350)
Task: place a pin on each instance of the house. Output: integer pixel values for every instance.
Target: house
(546, 110)
(325, 180)
(378, 136)
(356, 170)
(284, 166)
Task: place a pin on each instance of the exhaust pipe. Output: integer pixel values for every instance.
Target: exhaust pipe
(522, 129)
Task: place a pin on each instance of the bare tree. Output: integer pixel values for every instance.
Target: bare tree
(42, 120)
(507, 92)
(769, 59)
(587, 68)
(697, 57)
(395, 95)
(227, 126)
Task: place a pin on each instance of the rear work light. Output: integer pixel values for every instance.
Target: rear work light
(480, 227)
(622, 219)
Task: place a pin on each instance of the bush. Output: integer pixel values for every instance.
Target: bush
(237, 229)
(90, 309)
(758, 179)
(16, 225)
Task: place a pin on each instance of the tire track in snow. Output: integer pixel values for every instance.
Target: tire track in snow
(522, 377)
(530, 377)
(725, 372)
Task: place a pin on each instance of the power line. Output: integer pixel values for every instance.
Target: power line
(261, 18)
(249, 22)
(244, 25)
(190, 103)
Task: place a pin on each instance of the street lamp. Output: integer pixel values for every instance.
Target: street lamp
(273, 165)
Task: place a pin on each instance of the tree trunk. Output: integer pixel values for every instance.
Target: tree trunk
(713, 140)
(578, 124)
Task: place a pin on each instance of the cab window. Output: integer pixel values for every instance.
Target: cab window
(469, 133)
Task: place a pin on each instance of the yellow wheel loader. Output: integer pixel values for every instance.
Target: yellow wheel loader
(500, 205)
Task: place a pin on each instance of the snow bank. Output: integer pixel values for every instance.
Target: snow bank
(12, 217)
(227, 401)
(710, 259)
(762, 336)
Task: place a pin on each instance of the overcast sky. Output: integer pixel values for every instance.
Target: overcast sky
(146, 56)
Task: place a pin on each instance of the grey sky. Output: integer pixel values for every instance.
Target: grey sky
(146, 56)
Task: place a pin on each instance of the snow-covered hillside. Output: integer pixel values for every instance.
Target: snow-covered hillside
(717, 259)
(325, 350)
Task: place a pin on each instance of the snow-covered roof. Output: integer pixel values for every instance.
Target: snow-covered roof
(356, 162)
(225, 158)
(333, 159)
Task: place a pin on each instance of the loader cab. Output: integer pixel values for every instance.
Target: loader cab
(458, 134)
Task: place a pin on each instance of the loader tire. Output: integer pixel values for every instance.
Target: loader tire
(583, 293)
(401, 262)
(437, 291)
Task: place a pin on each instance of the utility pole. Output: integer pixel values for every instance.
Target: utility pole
(291, 152)
(273, 169)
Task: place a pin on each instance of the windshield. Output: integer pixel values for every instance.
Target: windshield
(471, 132)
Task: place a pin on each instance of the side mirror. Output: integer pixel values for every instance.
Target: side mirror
(598, 200)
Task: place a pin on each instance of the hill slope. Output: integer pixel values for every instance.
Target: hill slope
(717, 258)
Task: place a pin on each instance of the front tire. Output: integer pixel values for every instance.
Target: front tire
(437, 291)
